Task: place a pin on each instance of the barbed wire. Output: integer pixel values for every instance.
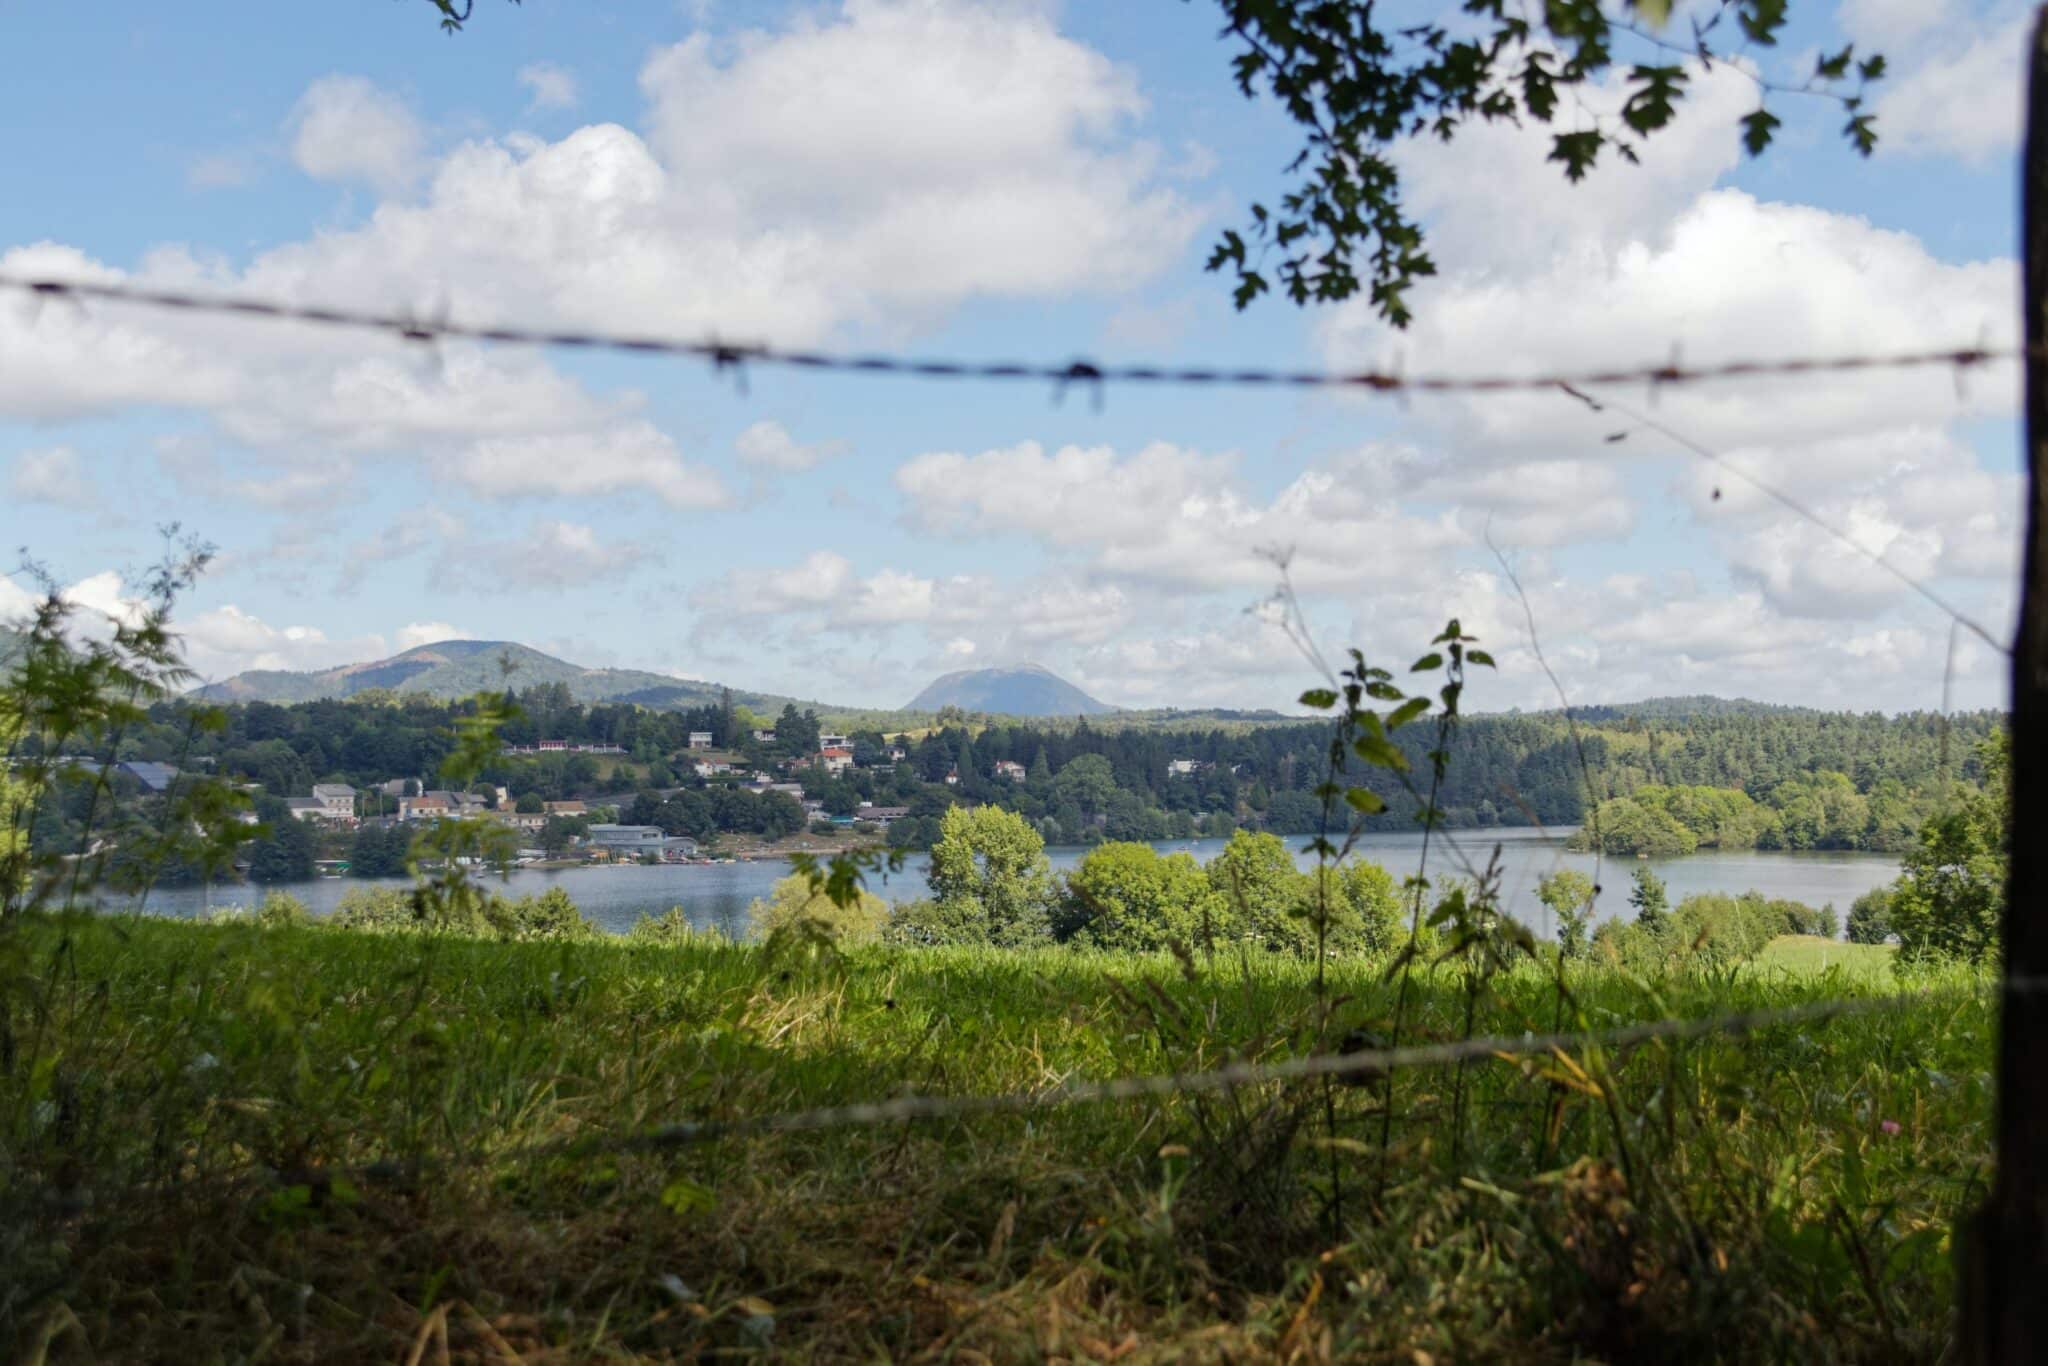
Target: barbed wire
(729, 355)
(1368, 1062)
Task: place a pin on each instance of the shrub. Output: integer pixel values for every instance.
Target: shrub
(672, 929)
(927, 923)
(375, 908)
(1870, 917)
(282, 910)
(794, 906)
(551, 915)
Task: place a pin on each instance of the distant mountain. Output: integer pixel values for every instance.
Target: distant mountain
(458, 668)
(1026, 690)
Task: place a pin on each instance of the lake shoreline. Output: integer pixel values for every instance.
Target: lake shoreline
(718, 895)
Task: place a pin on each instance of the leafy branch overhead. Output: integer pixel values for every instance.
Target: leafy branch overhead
(1359, 86)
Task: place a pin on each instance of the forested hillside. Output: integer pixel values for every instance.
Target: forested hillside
(1808, 779)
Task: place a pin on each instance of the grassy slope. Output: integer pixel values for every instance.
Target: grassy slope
(169, 1159)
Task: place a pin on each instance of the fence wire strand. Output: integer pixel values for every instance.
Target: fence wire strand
(732, 356)
(1367, 1063)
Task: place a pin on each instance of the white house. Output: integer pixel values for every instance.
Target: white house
(1010, 769)
(425, 807)
(338, 798)
(700, 739)
(833, 742)
(764, 737)
(1183, 768)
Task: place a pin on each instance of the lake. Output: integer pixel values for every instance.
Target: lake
(717, 895)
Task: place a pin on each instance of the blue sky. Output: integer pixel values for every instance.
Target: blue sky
(997, 179)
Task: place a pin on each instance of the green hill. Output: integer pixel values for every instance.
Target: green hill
(1026, 690)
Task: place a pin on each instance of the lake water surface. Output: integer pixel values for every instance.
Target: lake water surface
(717, 895)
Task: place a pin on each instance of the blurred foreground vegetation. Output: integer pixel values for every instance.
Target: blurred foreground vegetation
(231, 1142)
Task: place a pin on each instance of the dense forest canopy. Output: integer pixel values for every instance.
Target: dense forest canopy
(1715, 773)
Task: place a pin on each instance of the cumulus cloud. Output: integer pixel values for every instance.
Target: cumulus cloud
(768, 445)
(53, 474)
(417, 633)
(1168, 515)
(348, 129)
(635, 458)
(1963, 98)
(550, 86)
(1730, 277)
(224, 641)
(551, 556)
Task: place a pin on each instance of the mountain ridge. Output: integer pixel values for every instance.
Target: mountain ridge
(457, 668)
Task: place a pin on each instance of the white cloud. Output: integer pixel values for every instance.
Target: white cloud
(53, 474)
(933, 150)
(551, 86)
(553, 555)
(1887, 24)
(346, 128)
(768, 445)
(427, 633)
(1457, 190)
(635, 458)
(1731, 277)
(873, 166)
(224, 641)
(1168, 515)
(1965, 99)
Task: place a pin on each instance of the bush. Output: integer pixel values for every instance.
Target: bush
(282, 910)
(551, 915)
(926, 923)
(671, 929)
(375, 908)
(1870, 917)
(794, 907)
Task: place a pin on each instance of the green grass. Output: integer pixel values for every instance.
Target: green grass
(1811, 954)
(229, 1143)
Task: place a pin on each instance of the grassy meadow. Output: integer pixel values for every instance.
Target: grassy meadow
(232, 1143)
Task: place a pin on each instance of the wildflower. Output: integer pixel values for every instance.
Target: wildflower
(1890, 1126)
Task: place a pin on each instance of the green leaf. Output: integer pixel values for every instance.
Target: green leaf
(1432, 660)
(1320, 698)
(1656, 12)
(1479, 657)
(1361, 799)
(1406, 712)
(1834, 68)
(1757, 128)
(684, 1196)
(1379, 752)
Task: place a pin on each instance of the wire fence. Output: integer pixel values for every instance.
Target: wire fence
(1367, 1063)
(733, 356)
(729, 355)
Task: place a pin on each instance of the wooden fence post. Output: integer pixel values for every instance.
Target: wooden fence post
(2005, 1293)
